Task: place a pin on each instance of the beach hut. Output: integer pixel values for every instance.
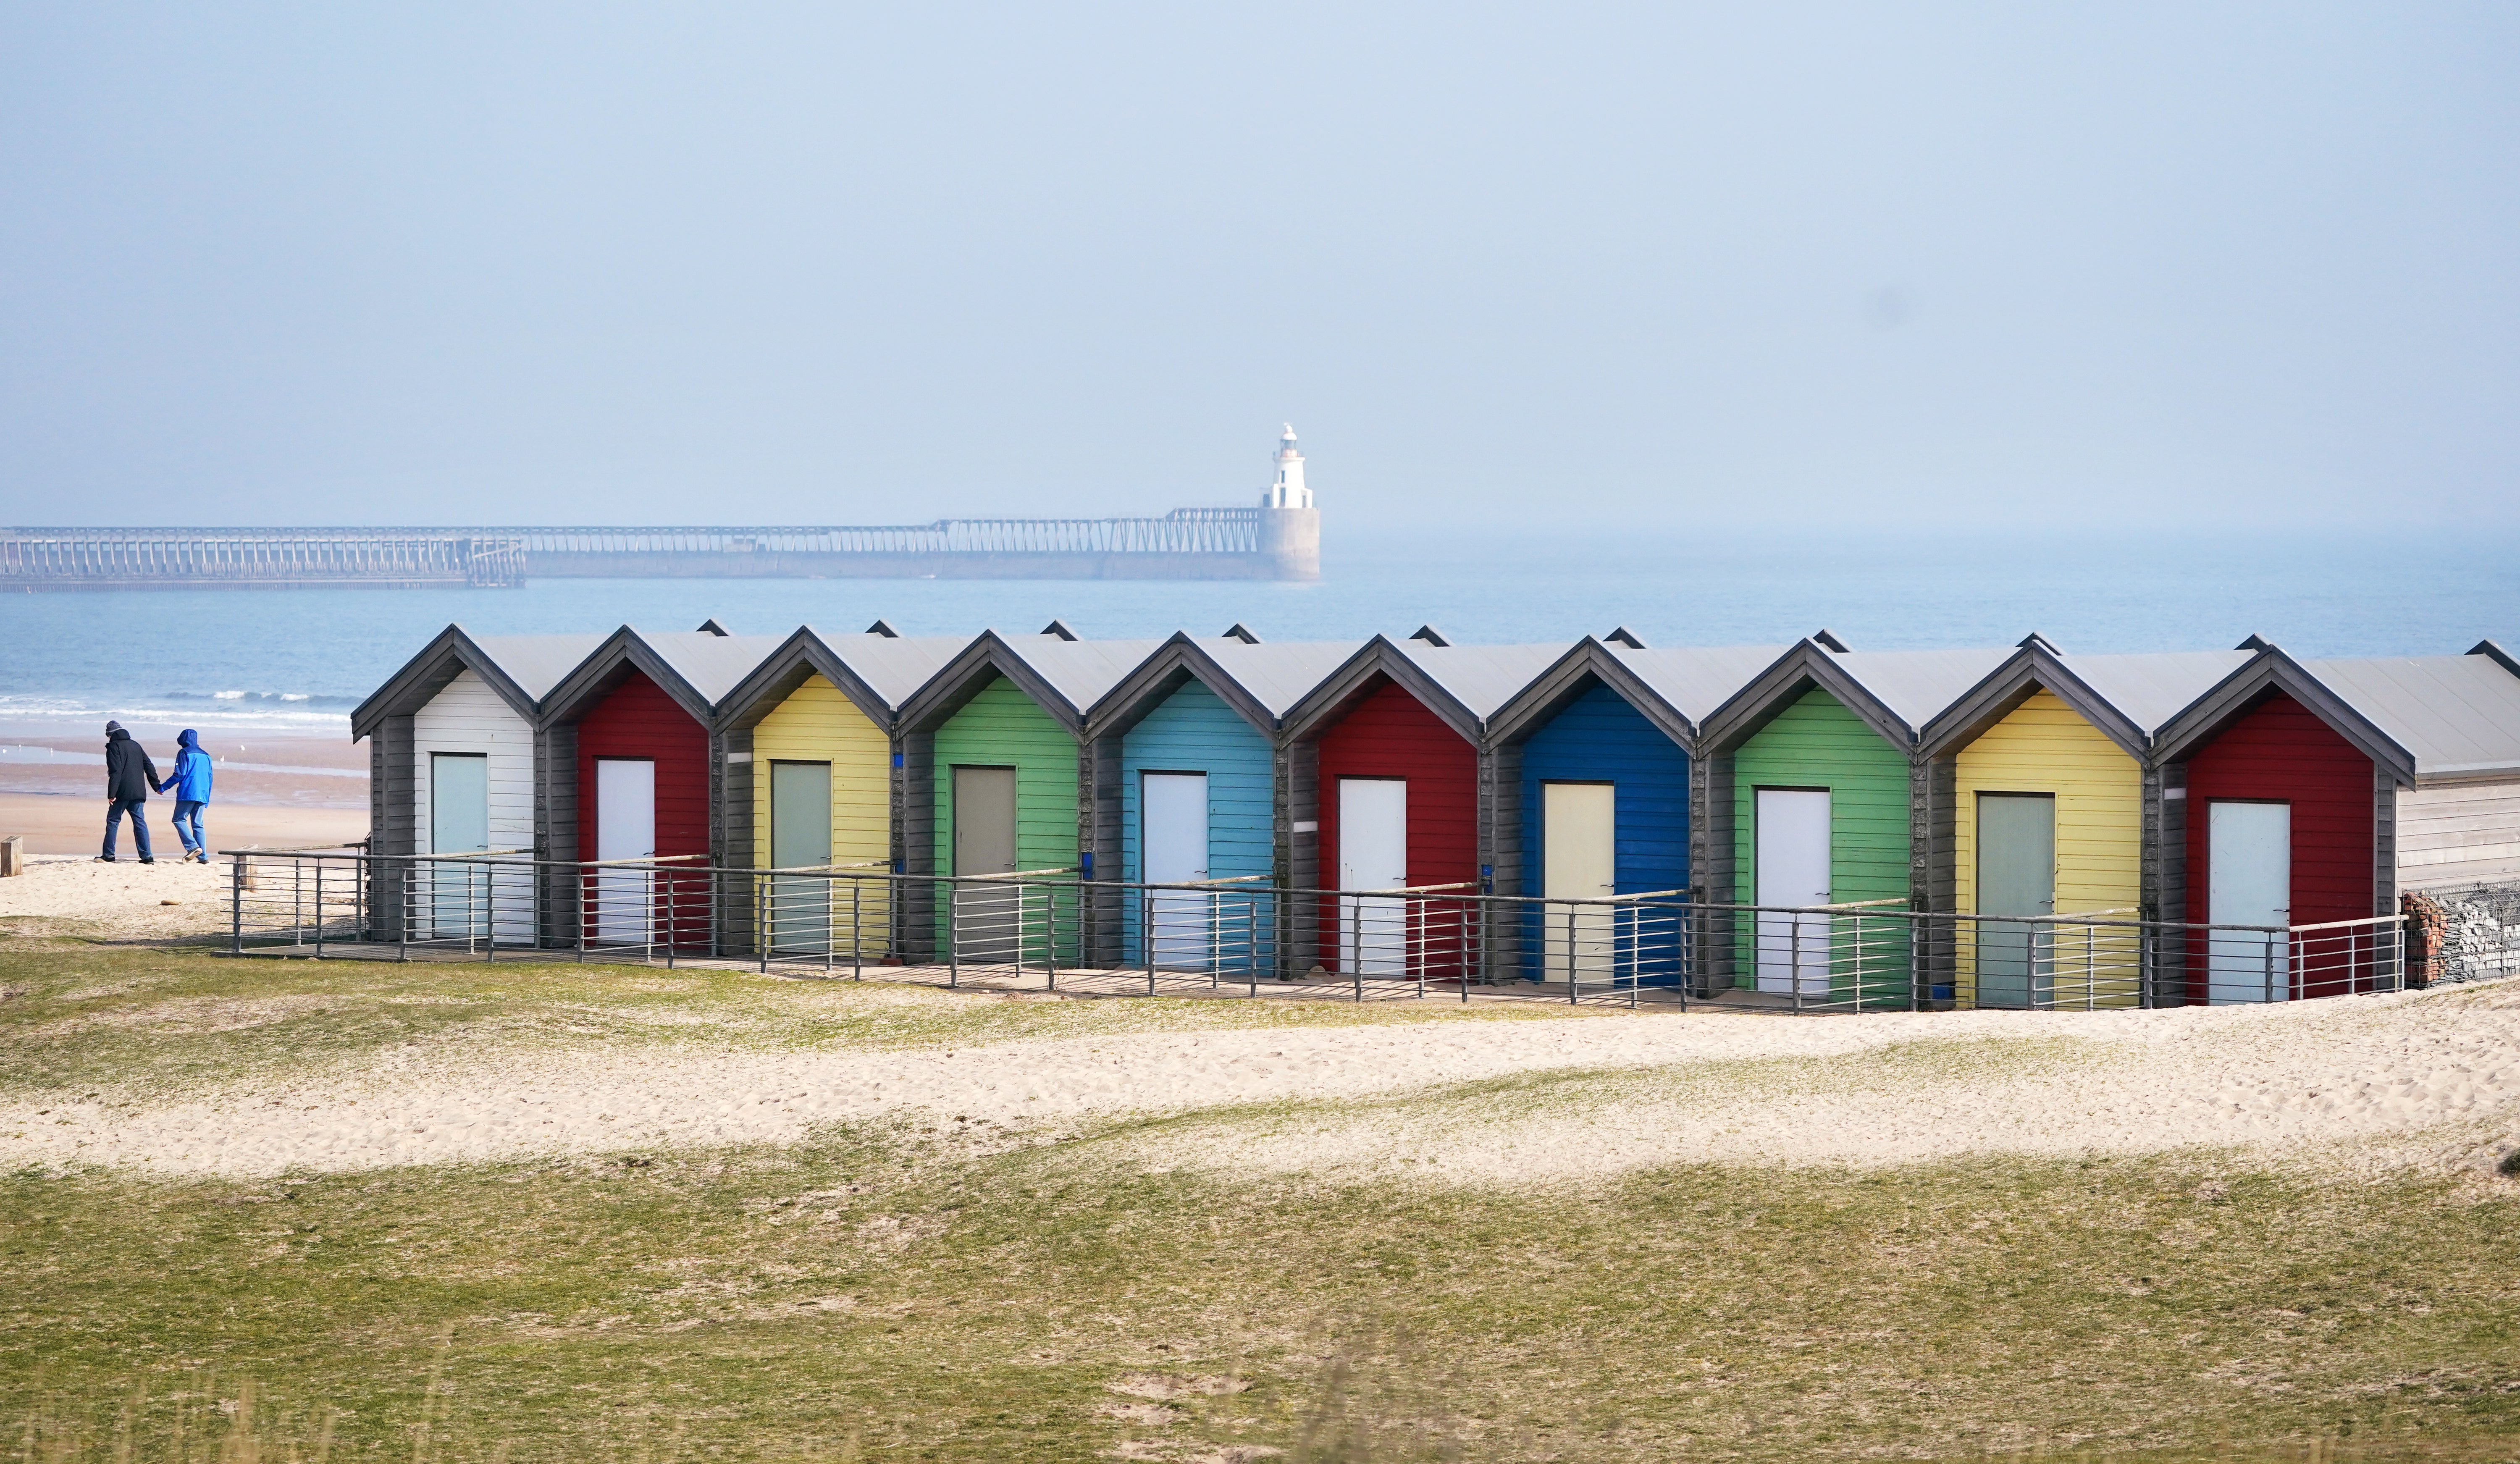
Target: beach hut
(1393, 787)
(2043, 800)
(996, 782)
(1812, 783)
(2319, 792)
(809, 784)
(452, 756)
(1596, 750)
(1189, 758)
(635, 775)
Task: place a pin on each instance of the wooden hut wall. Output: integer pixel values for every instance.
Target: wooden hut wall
(2456, 835)
(467, 718)
(2282, 752)
(1003, 728)
(1817, 743)
(639, 719)
(2043, 746)
(817, 723)
(1193, 730)
(1390, 734)
(1599, 737)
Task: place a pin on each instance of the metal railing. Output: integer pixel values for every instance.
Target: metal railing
(1052, 927)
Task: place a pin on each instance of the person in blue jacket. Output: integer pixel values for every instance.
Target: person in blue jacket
(191, 781)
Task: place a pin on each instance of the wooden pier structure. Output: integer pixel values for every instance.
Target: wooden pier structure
(1255, 543)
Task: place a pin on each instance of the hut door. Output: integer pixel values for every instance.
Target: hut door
(1175, 841)
(2017, 875)
(625, 827)
(1373, 854)
(2248, 881)
(988, 918)
(1579, 861)
(797, 916)
(459, 823)
(1792, 832)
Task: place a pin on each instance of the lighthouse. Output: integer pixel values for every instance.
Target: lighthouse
(1290, 527)
(1288, 492)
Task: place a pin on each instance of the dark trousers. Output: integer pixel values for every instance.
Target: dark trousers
(188, 825)
(139, 825)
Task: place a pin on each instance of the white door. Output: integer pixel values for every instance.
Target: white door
(2248, 878)
(1791, 837)
(1174, 834)
(1579, 861)
(625, 827)
(1373, 854)
(459, 823)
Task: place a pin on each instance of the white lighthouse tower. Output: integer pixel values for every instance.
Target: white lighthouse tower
(1288, 492)
(1290, 527)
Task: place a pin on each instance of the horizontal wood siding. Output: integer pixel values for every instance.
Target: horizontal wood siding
(638, 720)
(467, 716)
(2045, 747)
(1599, 737)
(2453, 835)
(1001, 727)
(818, 724)
(1816, 742)
(1390, 734)
(1193, 731)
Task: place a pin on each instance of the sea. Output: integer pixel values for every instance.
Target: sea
(296, 662)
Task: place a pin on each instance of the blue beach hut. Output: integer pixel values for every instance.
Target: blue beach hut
(1187, 754)
(1596, 755)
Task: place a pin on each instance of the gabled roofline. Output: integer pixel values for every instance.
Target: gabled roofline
(1342, 689)
(450, 652)
(1179, 660)
(1806, 664)
(802, 656)
(1548, 693)
(624, 650)
(2271, 670)
(952, 688)
(2489, 648)
(2032, 668)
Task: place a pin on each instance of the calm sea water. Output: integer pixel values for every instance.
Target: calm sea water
(304, 657)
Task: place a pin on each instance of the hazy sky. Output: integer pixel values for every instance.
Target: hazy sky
(723, 263)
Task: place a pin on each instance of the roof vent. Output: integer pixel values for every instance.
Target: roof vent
(884, 629)
(1238, 631)
(1059, 629)
(710, 627)
(1430, 634)
(2036, 640)
(1827, 640)
(2255, 642)
(1627, 638)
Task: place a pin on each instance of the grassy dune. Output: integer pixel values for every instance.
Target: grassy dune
(926, 1291)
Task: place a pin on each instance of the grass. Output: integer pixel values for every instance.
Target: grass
(887, 1293)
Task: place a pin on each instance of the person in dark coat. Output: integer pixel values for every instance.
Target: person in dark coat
(191, 781)
(128, 777)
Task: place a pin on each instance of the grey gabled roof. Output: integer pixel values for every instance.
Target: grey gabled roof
(711, 664)
(1277, 675)
(2454, 713)
(1081, 671)
(891, 666)
(2151, 688)
(537, 663)
(1918, 686)
(1481, 677)
(1695, 680)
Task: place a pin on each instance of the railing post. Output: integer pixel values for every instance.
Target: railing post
(236, 904)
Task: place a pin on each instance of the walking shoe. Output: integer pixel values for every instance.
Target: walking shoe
(104, 859)
(149, 861)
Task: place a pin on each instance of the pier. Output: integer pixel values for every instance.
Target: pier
(1266, 542)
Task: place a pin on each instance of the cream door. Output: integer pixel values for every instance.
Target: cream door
(1579, 861)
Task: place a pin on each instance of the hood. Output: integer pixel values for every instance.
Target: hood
(189, 738)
